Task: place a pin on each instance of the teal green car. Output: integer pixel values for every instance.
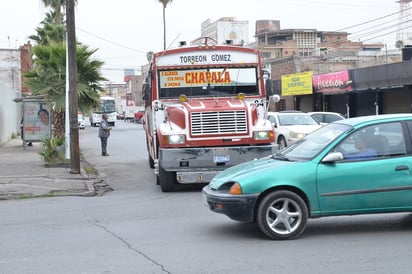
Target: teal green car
(354, 166)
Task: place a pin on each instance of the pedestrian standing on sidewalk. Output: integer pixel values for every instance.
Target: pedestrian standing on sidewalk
(104, 133)
(30, 144)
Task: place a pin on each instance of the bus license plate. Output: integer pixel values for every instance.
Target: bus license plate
(221, 158)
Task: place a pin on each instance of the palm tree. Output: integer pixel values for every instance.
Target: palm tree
(56, 6)
(49, 33)
(48, 78)
(164, 3)
(48, 75)
(149, 56)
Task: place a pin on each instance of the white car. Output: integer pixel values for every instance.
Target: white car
(323, 117)
(81, 124)
(291, 126)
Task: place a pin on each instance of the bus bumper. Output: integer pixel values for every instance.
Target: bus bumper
(200, 165)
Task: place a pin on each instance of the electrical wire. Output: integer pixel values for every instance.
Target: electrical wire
(111, 42)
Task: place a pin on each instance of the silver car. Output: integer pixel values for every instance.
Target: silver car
(323, 117)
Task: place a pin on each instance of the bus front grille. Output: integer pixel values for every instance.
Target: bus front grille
(221, 122)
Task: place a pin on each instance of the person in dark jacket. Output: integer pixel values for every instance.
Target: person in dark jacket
(30, 144)
(104, 133)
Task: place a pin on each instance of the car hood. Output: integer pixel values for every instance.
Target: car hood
(247, 169)
(306, 129)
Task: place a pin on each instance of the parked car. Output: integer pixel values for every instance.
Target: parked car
(323, 117)
(315, 178)
(291, 126)
(138, 116)
(120, 116)
(81, 123)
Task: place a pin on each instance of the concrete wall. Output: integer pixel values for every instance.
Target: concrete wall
(10, 68)
(10, 114)
(10, 88)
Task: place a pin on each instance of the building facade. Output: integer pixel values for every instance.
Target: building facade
(226, 30)
(293, 51)
(13, 64)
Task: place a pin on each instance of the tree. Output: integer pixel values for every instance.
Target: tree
(164, 3)
(149, 56)
(56, 6)
(48, 78)
(48, 75)
(49, 32)
(399, 44)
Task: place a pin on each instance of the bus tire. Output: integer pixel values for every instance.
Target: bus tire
(151, 162)
(167, 180)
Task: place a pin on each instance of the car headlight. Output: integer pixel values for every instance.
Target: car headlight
(262, 135)
(176, 139)
(296, 135)
(235, 189)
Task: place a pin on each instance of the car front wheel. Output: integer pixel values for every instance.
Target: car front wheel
(282, 215)
(282, 142)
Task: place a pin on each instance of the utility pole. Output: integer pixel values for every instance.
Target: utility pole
(74, 130)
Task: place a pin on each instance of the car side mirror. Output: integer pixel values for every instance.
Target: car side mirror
(333, 157)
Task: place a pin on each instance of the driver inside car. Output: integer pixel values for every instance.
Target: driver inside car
(361, 145)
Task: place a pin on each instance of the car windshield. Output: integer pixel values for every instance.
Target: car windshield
(314, 143)
(296, 119)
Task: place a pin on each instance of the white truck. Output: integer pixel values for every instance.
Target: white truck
(129, 113)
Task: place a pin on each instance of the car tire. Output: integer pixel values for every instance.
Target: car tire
(167, 179)
(282, 142)
(282, 215)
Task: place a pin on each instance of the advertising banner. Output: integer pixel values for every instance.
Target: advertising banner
(297, 84)
(332, 82)
(36, 121)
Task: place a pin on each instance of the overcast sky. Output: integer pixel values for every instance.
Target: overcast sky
(125, 30)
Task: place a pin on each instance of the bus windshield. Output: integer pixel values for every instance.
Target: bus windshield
(208, 82)
(106, 106)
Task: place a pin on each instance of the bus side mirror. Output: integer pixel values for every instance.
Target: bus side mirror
(146, 92)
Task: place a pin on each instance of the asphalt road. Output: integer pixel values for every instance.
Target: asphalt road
(138, 229)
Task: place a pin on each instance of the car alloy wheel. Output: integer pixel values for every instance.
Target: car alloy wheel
(282, 215)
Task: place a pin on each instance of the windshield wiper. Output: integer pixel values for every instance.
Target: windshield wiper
(281, 157)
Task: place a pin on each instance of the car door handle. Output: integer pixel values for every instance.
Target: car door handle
(400, 168)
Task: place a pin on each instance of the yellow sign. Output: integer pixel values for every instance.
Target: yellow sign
(297, 84)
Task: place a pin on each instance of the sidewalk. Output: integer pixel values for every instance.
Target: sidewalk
(24, 175)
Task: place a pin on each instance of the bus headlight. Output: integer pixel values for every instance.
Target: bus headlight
(176, 139)
(261, 135)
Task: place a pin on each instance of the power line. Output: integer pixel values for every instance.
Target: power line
(406, 27)
(111, 42)
(374, 20)
(393, 26)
